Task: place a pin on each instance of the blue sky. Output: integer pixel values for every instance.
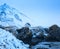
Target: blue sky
(41, 12)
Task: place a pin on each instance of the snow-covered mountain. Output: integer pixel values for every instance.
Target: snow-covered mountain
(11, 17)
(14, 38)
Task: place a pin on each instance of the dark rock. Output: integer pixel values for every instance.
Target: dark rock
(25, 35)
(54, 33)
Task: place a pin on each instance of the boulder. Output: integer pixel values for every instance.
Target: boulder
(25, 35)
(54, 33)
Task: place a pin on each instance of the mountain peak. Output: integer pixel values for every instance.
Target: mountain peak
(11, 16)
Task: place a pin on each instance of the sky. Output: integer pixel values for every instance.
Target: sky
(41, 12)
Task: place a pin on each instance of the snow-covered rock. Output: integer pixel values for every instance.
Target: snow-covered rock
(12, 17)
(38, 30)
(8, 41)
(27, 25)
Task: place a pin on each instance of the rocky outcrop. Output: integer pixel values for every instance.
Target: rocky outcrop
(24, 34)
(31, 36)
(54, 33)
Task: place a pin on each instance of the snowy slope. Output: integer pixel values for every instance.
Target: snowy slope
(8, 41)
(11, 17)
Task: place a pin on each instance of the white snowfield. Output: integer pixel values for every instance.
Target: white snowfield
(8, 41)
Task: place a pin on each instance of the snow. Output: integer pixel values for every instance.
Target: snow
(12, 17)
(8, 41)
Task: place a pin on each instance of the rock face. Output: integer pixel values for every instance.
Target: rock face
(54, 33)
(24, 34)
(8, 41)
